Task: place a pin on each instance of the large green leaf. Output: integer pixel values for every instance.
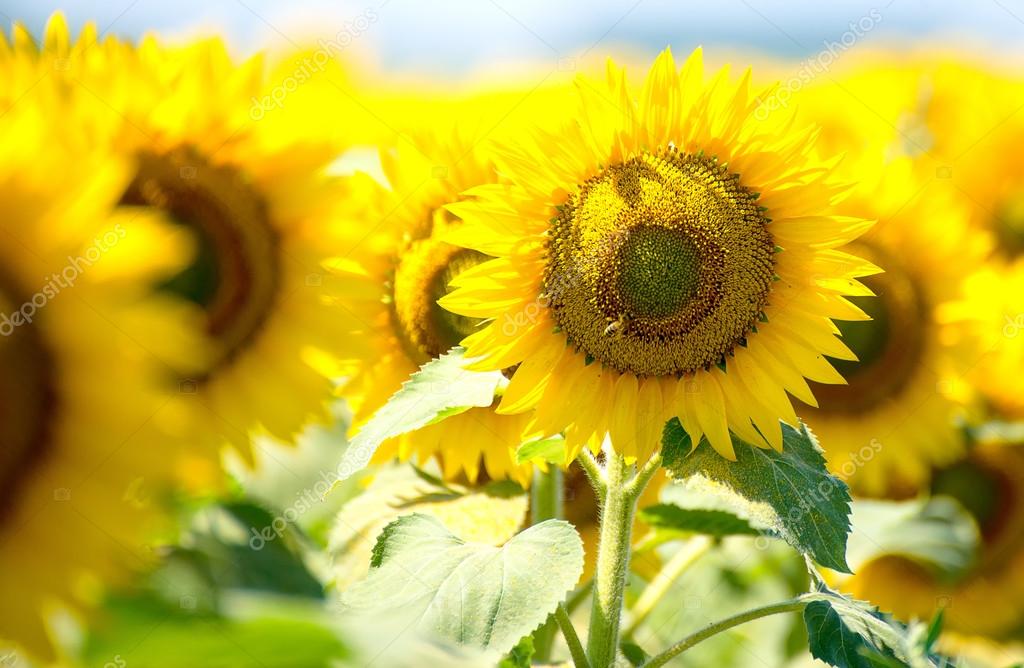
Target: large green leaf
(471, 594)
(846, 633)
(937, 534)
(440, 389)
(790, 493)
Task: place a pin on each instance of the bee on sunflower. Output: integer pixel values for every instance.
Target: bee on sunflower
(80, 489)
(249, 184)
(662, 257)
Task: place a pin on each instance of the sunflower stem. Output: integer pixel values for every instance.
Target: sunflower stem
(546, 503)
(594, 471)
(610, 578)
(710, 630)
(579, 657)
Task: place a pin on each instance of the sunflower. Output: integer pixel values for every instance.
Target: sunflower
(952, 116)
(661, 257)
(79, 484)
(989, 316)
(249, 183)
(894, 420)
(387, 287)
(986, 600)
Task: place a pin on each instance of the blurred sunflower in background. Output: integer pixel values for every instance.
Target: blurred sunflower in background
(248, 181)
(387, 287)
(663, 256)
(984, 601)
(80, 485)
(990, 317)
(897, 416)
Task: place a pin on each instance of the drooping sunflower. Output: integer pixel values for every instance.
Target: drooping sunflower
(896, 418)
(80, 486)
(666, 256)
(387, 287)
(247, 178)
(985, 601)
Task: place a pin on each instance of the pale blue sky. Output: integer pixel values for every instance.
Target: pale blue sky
(458, 36)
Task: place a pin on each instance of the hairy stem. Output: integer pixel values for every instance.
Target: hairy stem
(612, 562)
(594, 473)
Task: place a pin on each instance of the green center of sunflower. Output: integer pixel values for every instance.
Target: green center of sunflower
(1009, 226)
(660, 265)
(422, 277)
(889, 348)
(28, 395)
(236, 274)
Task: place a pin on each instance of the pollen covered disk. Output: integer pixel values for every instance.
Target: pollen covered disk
(660, 265)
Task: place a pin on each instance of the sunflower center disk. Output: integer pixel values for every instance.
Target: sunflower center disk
(236, 273)
(1009, 226)
(889, 347)
(422, 277)
(27, 389)
(660, 265)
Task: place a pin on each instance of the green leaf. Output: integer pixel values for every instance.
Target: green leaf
(634, 653)
(790, 493)
(520, 656)
(144, 631)
(440, 389)
(847, 633)
(716, 523)
(551, 450)
(937, 534)
(492, 514)
(471, 594)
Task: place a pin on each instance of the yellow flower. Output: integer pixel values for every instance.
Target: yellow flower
(894, 420)
(246, 178)
(953, 118)
(661, 257)
(990, 318)
(79, 482)
(387, 287)
(986, 600)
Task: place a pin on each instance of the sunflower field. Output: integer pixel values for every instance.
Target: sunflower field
(623, 355)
